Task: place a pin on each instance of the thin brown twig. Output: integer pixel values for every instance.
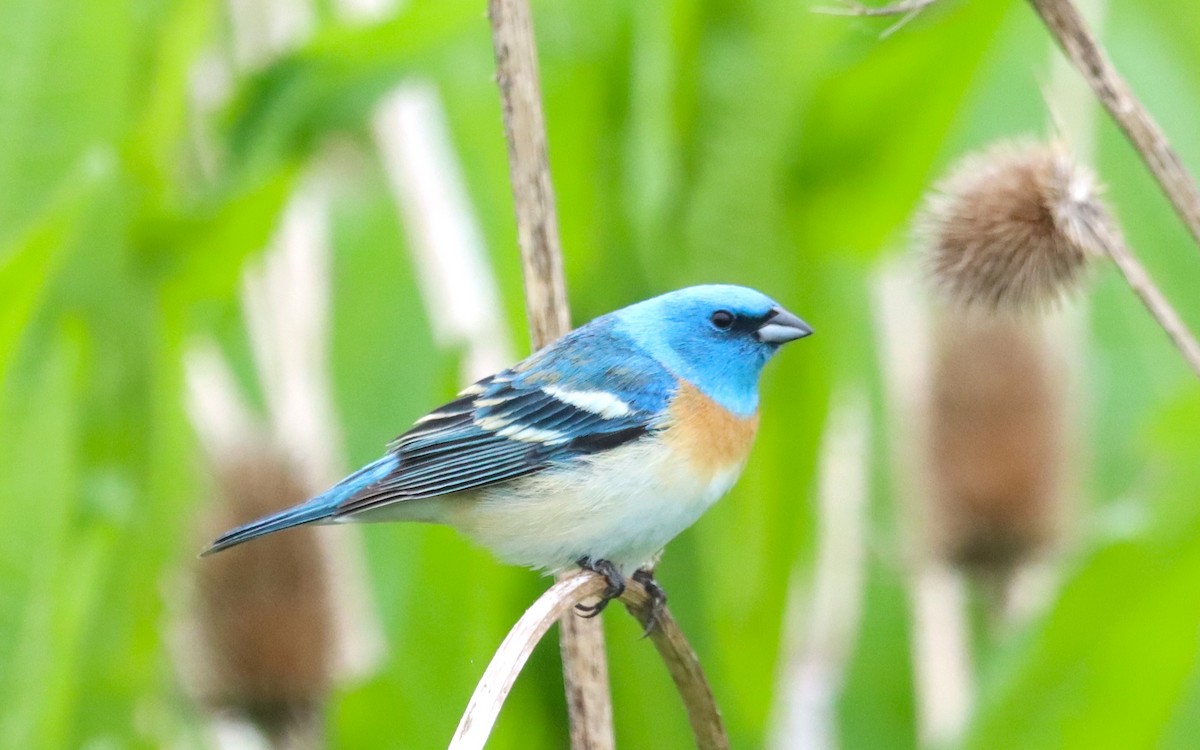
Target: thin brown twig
(1139, 280)
(1072, 34)
(585, 666)
(585, 680)
(683, 664)
(1070, 31)
(558, 602)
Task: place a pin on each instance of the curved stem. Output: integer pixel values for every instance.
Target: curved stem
(559, 600)
(493, 688)
(684, 666)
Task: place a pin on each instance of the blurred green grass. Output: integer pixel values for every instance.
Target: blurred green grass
(748, 142)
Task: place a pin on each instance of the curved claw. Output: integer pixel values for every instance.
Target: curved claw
(658, 598)
(615, 587)
(588, 611)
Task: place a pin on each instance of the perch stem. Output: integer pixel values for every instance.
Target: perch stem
(585, 665)
(529, 169)
(493, 688)
(558, 602)
(683, 665)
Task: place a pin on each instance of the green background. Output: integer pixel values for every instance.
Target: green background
(751, 142)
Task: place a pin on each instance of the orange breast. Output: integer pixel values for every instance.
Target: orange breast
(710, 437)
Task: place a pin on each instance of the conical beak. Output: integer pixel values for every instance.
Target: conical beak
(782, 327)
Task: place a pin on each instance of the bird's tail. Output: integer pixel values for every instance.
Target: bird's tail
(319, 508)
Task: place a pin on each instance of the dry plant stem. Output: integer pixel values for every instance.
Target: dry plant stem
(684, 666)
(585, 666)
(1070, 30)
(529, 168)
(585, 680)
(1072, 34)
(1136, 276)
(479, 718)
(559, 601)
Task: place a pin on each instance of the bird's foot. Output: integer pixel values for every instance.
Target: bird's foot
(612, 576)
(658, 598)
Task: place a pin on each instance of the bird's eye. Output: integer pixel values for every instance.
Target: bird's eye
(722, 320)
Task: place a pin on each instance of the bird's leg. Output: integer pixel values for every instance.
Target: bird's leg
(658, 597)
(612, 576)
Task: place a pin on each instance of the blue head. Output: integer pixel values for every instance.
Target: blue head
(717, 337)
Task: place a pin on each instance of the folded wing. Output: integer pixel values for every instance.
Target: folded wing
(546, 411)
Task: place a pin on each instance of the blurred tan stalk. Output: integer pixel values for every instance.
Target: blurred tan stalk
(821, 624)
(458, 286)
(942, 669)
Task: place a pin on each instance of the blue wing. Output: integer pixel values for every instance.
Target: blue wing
(589, 392)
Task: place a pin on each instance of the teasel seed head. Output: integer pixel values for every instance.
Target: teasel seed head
(1013, 227)
(265, 609)
(997, 448)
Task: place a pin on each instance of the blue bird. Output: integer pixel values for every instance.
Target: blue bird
(593, 452)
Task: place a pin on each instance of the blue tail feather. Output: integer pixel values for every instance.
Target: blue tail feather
(318, 508)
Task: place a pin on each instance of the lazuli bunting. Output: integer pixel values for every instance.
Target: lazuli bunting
(594, 451)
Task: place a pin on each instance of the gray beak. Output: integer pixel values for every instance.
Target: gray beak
(782, 327)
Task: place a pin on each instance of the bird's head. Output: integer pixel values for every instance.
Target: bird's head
(717, 337)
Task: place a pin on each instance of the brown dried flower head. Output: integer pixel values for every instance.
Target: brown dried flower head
(1013, 227)
(265, 609)
(996, 449)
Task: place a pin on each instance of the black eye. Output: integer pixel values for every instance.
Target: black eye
(722, 319)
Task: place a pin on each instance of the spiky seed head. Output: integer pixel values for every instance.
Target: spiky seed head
(1013, 227)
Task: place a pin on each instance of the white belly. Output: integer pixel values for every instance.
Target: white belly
(622, 506)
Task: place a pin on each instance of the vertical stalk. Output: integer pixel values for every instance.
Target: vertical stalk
(529, 169)
(585, 666)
